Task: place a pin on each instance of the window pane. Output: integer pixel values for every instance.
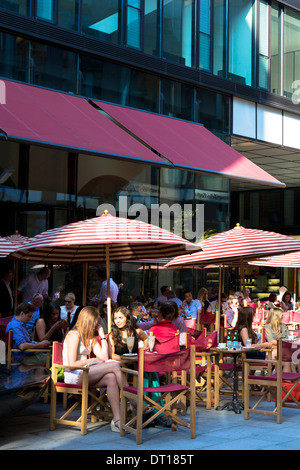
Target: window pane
(213, 111)
(133, 28)
(52, 190)
(204, 47)
(219, 67)
(14, 57)
(263, 65)
(177, 99)
(291, 49)
(151, 27)
(240, 40)
(53, 67)
(18, 6)
(122, 85)
(68, 14)
(178, 30)
(101, 19)
(9, 171)
(275, 50)
(45, 9)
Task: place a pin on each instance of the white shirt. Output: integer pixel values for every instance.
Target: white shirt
(64, 312)
(114, 290)
(31, 285)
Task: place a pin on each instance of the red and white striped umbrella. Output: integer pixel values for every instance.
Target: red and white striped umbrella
(236, 246)
(289, 260)
(86, 241)
(6, 247)
(103, 239)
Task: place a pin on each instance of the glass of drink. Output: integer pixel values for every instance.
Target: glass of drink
(130, 343)
(151, 342)
(248, 343)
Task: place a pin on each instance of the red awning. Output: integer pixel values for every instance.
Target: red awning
(42, 116)
(188, 145)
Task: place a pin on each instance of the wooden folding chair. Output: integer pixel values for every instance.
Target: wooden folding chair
(81, 393)
(273, 384)
(170, 394)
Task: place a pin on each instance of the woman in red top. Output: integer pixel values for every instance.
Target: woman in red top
(165, 330)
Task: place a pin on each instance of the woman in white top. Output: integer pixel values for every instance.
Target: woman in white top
(67, 311)
(78, 345)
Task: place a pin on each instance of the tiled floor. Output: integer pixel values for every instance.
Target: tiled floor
(222, 430)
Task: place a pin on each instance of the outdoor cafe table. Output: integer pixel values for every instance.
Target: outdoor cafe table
(233, 405)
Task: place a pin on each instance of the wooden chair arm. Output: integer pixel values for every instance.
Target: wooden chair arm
(125, 370)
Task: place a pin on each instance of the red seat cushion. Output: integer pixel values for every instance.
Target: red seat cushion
(160, 389)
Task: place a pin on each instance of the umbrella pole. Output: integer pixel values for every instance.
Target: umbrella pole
(242, 277)
(16, 267)
(143, 280)
(295, 285)
(218, 312)
(84, 291)
(108, 289)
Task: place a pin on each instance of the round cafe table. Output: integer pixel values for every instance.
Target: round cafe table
(234, 405)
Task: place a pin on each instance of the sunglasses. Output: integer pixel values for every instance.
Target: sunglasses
(68, 301)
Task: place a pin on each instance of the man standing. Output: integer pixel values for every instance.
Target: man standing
(35, 284)
(114, 290)
(6, 295)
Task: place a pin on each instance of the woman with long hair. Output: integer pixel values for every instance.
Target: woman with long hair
(246, 331)
(286, 301)
(123, 326)
(275, 330)
(79, 343)
(50, 326)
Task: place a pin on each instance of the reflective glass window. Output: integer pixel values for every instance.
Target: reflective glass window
(122, 85)
(263, 52)
(134, 23)
(177, 99)
(101, 19)
(204, 36)
(212, 110)
(151, 22)
(240, 41)
(67, 15)
(219, 38)
(45, 10)
(14, 59)
(291, 52)
(275, 69)
(178, 31)
(17, 6)
(53, 67)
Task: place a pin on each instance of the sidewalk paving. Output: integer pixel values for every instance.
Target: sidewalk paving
(215, 430)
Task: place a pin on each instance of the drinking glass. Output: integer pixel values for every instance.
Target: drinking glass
(130, 343)
(151, 342)
(248, 343)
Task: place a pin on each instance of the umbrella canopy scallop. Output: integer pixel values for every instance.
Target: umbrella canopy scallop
(86, 241)
(6, 247)
(238, 244)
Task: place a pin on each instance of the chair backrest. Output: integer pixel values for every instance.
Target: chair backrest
(295, 317)
(169, 346)
(57, 353)
(9, 340)
(177, 361)
(290, 351)
(286, 317)
(207, 318)
(204, 343)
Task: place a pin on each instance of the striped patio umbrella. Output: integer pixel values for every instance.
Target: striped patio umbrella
(235, 247)
(289, 260)
(6, 247)
(101, 240)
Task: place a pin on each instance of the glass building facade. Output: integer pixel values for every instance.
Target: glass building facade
(180, 58)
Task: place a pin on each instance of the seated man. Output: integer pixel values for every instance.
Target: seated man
(233, 311)
(21, 338)
(172, 298)
(35, 283)
(165, 330)
(163, 297)
(192, 307)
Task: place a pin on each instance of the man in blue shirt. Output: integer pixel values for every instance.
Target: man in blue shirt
(21, 338)
(192, 307)
(37, 303)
